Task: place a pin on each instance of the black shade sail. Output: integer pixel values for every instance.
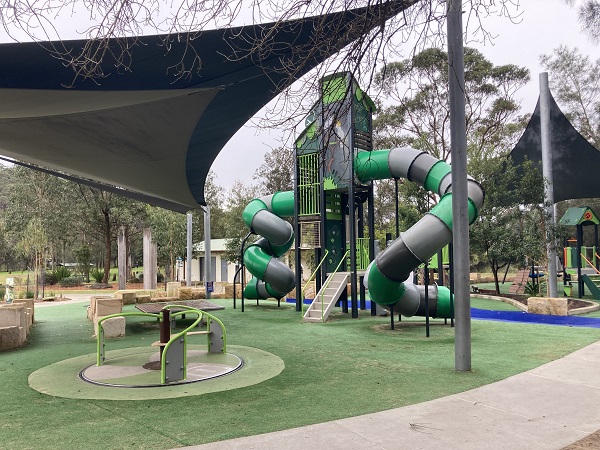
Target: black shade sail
(575, 162)
(144, 132)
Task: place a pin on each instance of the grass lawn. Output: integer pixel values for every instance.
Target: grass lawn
(335, 370)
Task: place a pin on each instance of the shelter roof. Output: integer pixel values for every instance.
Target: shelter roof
(583, 215)
(144, 132)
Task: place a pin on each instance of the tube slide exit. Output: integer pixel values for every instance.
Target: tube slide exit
(387, 274)
(272, 278)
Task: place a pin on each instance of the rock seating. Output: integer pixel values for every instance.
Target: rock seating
(114, 327)
(14, 326)
(172, 288)
(104, 306)
(29, 305)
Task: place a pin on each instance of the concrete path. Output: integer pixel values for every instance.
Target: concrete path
(546, 408)
(73, 298)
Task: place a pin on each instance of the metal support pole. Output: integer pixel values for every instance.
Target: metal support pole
(243, 283)
(207, 252)
(397, 208)
(460, 214)
(579, 260)
(297, 251)
(188, 268)
(371, 224)
(122, 259)
(549, 183)
(426, 282)
(451, 287)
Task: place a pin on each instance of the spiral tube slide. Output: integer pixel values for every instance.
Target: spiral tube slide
(387, 274)
(272, 278)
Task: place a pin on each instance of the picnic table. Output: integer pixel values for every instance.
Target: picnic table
(155, 308)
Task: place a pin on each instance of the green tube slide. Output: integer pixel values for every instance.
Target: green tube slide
(272, 278)
(387, 275)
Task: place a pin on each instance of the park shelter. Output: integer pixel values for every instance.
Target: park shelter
(141, 130)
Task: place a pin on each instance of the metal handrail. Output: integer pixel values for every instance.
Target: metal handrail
(591, 265)
(329, 281)
(174, 337)
(183, 309)
(310, 279)
(100, 330)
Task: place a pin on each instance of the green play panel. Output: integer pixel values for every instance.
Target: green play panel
(122, 376)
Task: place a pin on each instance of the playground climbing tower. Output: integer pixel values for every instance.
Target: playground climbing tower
(330, 213)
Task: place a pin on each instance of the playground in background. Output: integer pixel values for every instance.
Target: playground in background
(335, 167)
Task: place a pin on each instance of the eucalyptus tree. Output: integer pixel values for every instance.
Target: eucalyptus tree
(104, 214)
(238, 198)
(32, 194)
(574, 80)
(276, 173)
(506, 231)
(589, 16)
(416, 113)
(169, 231)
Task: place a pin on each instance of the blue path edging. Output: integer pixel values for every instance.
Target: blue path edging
(520, 317)
(523, 317)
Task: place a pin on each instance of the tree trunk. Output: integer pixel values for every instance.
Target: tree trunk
(107, 245)
(495, 269)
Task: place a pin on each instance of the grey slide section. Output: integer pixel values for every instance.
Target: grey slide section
(279, 276)
(546, 408)
(273, 228)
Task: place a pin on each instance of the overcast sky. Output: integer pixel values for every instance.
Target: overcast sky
(543, 26)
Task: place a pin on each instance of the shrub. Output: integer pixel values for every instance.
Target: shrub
(50, 278)
(97, 275)
(72, 281)
(60, 273)
(532, 288)
(160, 277)
(29, 294)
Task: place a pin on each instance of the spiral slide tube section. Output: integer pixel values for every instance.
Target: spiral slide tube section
(272, 278)
(387, 274)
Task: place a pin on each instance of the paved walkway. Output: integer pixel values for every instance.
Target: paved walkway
(73, 298)
(546, 408)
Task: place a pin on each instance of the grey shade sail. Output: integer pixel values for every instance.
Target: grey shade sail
(575, 162)
(144, 132)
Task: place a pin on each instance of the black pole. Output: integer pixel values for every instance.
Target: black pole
(361, 234)
(426, 281)
(243, 266)
(392, 315)
(236, 277)
(440, 267)
(397, 209)
(579, 244)
(451, 276)
(371, 224)
(297, 253)
(596, 246)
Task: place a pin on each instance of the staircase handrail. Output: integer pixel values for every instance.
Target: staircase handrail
(312, 276)
(329, 281)
(591, 265)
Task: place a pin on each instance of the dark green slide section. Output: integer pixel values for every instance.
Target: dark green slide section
(592, 285)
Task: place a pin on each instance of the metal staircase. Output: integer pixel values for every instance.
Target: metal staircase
(326, 298)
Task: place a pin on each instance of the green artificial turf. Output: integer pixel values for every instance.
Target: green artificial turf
(495, 305)
(339, 369)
